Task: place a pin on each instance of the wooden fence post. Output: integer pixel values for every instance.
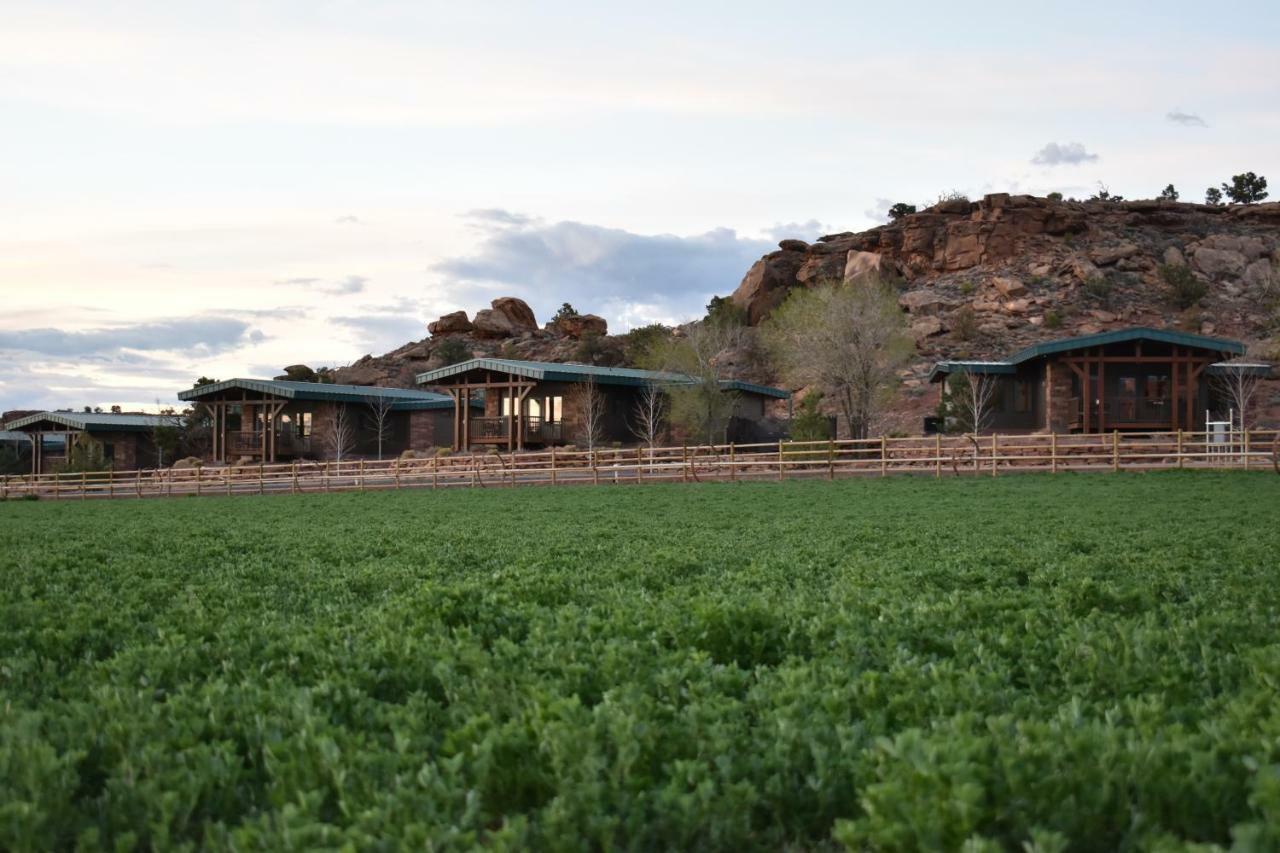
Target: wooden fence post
(435, 471)
(397, 464)
(831, 459)
(1246, 450)
(595, 468)
(780, 460)
(993, 454)
(884, 456)
(262, 486)
(84, 482)
(138, 481)
(199, 485)
(168, 477)
(1115, 450)
(553, 464)
(937, 456)
(111, 480)
(1179, 449)
(226, 472)
(360, 475)
(684, 462)
(1053, 452)
(293, 485)
(733, 461)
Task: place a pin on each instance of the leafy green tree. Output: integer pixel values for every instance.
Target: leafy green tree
(594, 348)
(1246, 189)
(452, 351)
(638, 342)
(202, 381)
(1185, 289)
(723, 310)
(1054, 196)
(1213, 196)
(566, 311)
(809, 423)
(848, 342)
(900, 210)
(1169, 194)
(14, 459)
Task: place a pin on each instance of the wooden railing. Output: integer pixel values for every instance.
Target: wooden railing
(937, 456)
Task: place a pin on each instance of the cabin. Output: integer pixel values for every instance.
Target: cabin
(534, 404)
(1138, 379)
(275, 420)
(125, 441)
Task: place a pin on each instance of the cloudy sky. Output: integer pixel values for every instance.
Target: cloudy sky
(225, 188)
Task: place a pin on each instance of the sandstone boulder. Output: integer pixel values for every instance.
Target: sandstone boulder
(1107, 255)
(1017, 306)
(765, 285)
(923, 302)
(454, 323)
(1259, 274)
(867, 266)
(793, 246)
(1218, 263)
(517, 311)
(1173, 257)
(1009, 287)
(926, 327)
(578, 325)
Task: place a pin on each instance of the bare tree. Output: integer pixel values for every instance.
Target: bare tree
(589, 403)
(650, 415)
(1236, 384)
(696, 396)
(971, 399)
(380, 406)
(847, 340)
(339, 434)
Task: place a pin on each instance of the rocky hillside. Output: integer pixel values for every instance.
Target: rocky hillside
(977, 280)
(984, 279)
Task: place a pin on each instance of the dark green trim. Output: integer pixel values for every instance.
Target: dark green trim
(547, 371)
(1182, 339)
(290, 390)
(946, 368)
(98, 421)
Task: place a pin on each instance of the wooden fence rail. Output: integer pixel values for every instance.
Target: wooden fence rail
(935, 456)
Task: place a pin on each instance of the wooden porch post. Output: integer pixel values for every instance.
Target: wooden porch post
(466, 418)
(1102, 396)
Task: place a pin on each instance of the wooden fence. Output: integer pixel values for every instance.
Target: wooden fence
(937, 456)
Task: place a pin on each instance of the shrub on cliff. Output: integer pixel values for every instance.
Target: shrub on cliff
(1184, 288)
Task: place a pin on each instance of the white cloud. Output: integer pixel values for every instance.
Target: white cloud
(1059, 154)
(1185, 119)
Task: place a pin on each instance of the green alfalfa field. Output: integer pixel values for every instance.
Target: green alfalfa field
(1080, 662)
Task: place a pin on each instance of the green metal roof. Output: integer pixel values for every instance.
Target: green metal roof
(290, 390)
(1182, 339)
(946, 368)
(547, 371)
(98, 421)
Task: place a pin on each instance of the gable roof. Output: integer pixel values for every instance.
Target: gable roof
(1046, 348)
(548, 371)
(1182, 339)
(405, 399)
(97, 421)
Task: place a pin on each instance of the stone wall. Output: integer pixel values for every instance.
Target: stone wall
(1057, 396)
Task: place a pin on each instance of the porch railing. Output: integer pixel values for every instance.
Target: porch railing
(535, 430)
(1125, 410)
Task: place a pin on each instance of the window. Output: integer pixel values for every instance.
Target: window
(1022, 396)
(304, 424)
(1129, 386)
(1157, 387)
(108, 451)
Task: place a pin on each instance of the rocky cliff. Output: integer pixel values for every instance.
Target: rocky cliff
(984, 279)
